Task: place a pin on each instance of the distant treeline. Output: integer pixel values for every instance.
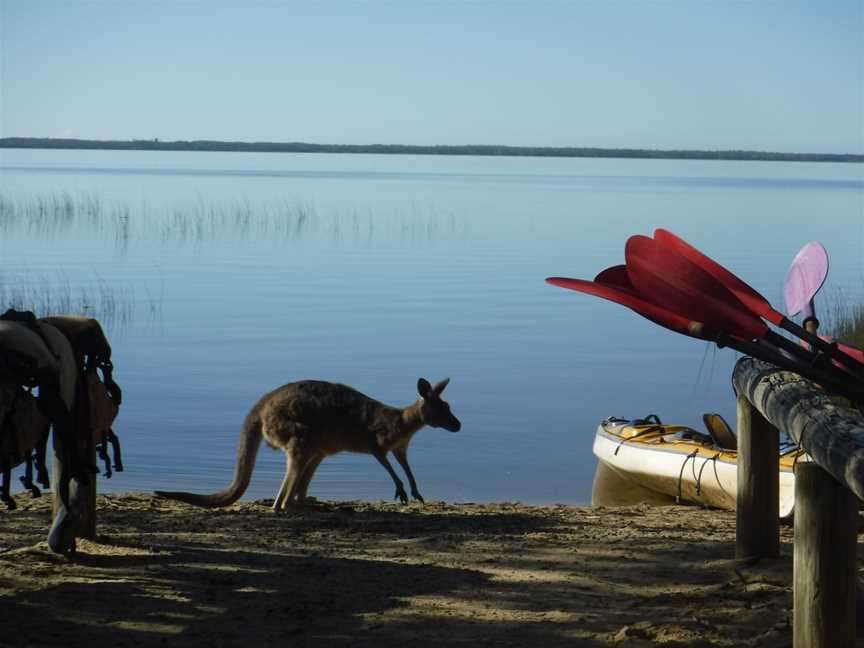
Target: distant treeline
(404, 149)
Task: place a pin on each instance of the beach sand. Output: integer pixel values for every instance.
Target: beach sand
(380, 574)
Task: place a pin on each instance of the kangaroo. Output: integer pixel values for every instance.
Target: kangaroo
(311, 420)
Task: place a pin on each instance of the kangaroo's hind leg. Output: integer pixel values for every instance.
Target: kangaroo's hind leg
(298, 463)
(306, 476)
(282, 432)
(291, 477)
(303, 463)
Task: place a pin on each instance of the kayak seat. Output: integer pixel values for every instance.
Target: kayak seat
(720, 431)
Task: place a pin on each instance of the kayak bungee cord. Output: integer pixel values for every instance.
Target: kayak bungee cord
(692, 455)
(705, 463)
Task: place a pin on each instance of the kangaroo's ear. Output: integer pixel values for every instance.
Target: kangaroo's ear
(439, 387)
(423, 387)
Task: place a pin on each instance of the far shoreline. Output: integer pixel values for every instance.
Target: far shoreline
(410, 149)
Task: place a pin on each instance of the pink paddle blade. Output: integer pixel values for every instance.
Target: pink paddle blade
(805, 278)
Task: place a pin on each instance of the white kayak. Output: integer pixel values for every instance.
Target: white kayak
(644, 460)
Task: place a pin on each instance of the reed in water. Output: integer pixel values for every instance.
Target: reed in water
(844, 319)
(53, 215)
(54, 294)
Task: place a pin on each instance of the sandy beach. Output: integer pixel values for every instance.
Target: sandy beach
(358, 573)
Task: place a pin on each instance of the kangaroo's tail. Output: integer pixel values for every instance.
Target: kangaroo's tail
(247, 451)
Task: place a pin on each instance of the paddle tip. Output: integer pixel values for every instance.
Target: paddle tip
(571, 284)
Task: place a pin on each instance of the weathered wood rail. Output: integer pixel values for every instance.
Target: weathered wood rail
(827, 494)
(833, 435)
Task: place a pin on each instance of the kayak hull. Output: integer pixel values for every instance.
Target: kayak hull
(659, 464)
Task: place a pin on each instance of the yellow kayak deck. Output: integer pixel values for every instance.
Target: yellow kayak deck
(684, 440)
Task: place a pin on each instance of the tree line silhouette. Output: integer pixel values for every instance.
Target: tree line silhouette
(406, 149)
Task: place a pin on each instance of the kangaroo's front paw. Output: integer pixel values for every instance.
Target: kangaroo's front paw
(401, 495)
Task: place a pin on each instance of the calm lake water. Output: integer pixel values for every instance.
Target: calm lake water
(219, 277)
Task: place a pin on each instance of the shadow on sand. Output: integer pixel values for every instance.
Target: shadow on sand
(361, 574)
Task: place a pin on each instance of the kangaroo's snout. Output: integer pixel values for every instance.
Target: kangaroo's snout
(441, 417)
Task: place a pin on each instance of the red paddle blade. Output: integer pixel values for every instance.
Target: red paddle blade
(851, 351)
(681, 286)
(748, 296)
(615, 276)
(626, 297)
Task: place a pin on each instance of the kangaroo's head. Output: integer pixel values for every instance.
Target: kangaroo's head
(436, 411)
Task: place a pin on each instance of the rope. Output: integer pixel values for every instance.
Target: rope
(719, 483)
(692, 455)
(693, 467)
(705, 463)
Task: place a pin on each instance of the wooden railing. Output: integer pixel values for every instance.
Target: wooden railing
(827, 492)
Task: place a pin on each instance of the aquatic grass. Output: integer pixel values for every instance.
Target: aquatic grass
(844, 319)
(47, 215)
(201, 222)
(120, 219)
(54, 294)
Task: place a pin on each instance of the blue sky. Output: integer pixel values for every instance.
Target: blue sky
(780, 76)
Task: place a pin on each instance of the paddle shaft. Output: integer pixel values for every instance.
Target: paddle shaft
(826, 347)
(804, 355)
(848, 388)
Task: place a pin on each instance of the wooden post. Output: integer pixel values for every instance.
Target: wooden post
(826, 533)
(87, 503)
(84, 497)
(757, 531)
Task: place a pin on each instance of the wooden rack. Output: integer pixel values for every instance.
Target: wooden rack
(828, 489)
